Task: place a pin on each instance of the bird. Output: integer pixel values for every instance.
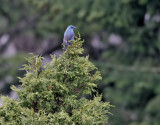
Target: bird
(68, 36)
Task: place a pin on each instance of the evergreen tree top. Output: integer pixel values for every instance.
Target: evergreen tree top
(56, 94)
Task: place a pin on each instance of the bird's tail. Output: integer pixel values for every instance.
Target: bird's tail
(65, 46)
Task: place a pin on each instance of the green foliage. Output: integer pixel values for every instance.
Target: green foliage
(133, 88)
(11, 14)
(123, 17)
(54, 93)
(130, 72)
(9, 70)
(14, 114)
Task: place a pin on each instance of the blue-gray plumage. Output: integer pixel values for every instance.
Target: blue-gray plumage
(68, 35)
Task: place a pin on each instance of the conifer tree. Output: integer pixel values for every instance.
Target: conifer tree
(54, 94)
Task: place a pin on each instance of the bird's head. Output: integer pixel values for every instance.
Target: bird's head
(71, 27)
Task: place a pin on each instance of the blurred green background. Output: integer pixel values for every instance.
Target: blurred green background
(122, 38)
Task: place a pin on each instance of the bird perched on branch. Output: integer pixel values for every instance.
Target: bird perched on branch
(68, 35)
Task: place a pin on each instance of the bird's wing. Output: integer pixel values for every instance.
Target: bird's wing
(68, 36)
(72, 37)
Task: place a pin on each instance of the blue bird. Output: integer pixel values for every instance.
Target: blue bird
(68, 35)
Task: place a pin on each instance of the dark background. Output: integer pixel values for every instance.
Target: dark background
(122, 38)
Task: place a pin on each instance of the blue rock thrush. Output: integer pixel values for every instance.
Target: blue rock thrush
(68, 35)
